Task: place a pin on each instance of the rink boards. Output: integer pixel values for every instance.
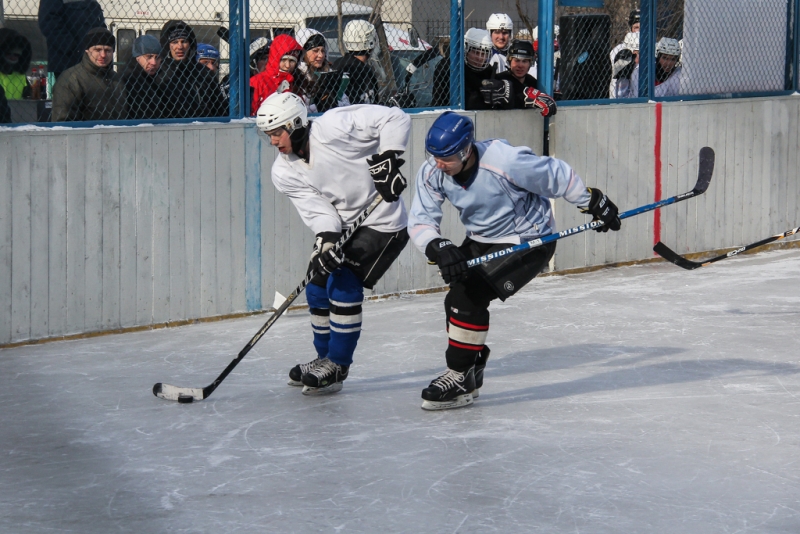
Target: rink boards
(116, 228)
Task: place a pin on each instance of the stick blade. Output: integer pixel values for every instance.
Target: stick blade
(705, 170)
(173, 393)
(670, 255)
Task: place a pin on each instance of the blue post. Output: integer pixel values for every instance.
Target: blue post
(796, 48)
(239, 69)
(456, 54)
(547, 14)
(647, 49)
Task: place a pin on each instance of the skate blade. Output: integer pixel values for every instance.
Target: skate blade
(476, 393)
(458, 402)
(327, 390)
(294, 382)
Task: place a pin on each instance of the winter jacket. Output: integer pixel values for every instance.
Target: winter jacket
(12, 76)
(144, 93)
(64, 25)
(517, 88)
(190, 89)
(472, 85)
(267, 82)
(363, 87)
(5, 111)
(86, 92)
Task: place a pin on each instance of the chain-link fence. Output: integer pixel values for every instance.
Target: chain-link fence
(102, 60)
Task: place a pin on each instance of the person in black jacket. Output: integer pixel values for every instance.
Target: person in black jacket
(64, 25)
(142, 76)
(5, 111)
(190, 89)
(519, 83)
(477, 53)
(359, 38)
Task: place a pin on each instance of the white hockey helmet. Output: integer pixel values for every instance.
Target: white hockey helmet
(358, 36)
(668, 47)
(631, 41)
(282, 110)
(476, 39)
(303, 35)
(556, 31)
(499, 21)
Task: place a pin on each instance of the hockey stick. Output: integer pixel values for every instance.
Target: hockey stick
(705, 170)
(186, 395)
(670, 255)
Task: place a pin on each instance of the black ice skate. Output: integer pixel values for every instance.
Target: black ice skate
(296, 373)
(449, 390)
(326, 378)
(480, 365)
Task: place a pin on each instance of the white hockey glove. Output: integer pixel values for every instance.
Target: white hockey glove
(324, 258)
(385, 171)
(624, 63)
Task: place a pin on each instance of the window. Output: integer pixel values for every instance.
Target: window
(125, 40)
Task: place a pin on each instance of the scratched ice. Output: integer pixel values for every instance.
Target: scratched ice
(639, 399)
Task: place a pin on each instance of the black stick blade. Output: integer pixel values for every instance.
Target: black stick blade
(705, 170)
(670, 255)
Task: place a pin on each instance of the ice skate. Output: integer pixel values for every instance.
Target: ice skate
(449, 390)
(326, 378)
(296, 373)
(480, 365)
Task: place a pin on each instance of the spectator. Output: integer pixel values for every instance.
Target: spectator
(259, 54)
(359, 39)
(15, 58)
(64, 25)
(323, 92)
(91, 90)
(5, 111)
(633, 25)
(477, 53)
(668, 72)
(625, 62)
(190, 89)
(143, 85)
(500, 28)
(522, 85)
(208, 56)
(283, 56)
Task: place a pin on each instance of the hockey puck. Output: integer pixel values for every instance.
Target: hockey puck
(185, 399)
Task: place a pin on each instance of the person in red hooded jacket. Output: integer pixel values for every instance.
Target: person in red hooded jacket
(283, 55)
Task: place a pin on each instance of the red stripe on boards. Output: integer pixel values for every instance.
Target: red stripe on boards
(657, 153)
(479, 327)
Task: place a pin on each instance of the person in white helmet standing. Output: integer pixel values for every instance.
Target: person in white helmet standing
(477, 69)
(668, 69)
(332, 169)
(501, 29)
(625, 62)
(633, 27)
(359, 38)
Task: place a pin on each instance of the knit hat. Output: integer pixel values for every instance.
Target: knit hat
(98, 37)
(146, 44)
(181, 32)
(314, 41)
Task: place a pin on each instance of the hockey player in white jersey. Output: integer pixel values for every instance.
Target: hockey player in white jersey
(332, 168)
(502, 195)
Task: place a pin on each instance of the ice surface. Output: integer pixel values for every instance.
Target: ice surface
(639, 399)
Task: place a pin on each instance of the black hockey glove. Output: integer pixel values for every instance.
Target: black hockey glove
(497, 93)
(603, 210)
(451, 261)
(385, 171)
(324, 258)
(541, 101)
(624, 64)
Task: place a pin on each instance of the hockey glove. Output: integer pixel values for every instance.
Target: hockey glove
(497, 93)
(603, 210)
(385, 171)
(623, 65)
(541, 101)
(325, 258)
(451, 261)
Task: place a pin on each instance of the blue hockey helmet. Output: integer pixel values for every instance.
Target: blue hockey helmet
(207, 51)
(449, 135)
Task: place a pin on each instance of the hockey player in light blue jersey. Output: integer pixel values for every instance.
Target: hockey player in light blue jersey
(502, 195)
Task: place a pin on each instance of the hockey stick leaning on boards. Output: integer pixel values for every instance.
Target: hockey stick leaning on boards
(705, 170)
(186, 395)
(670, 255)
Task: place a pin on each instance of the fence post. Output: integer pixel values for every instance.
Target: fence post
(545, 74)
(456, 54)
(239, 60)
(795, 52)
(647, 48)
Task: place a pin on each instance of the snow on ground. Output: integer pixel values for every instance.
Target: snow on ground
(639, 399)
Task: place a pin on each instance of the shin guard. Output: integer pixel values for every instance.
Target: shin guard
(346, 295)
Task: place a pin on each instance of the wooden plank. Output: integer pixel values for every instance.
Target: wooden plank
(208, 229)
(144, 228)
(21, 237)
(57, 235)
(127, 231)
(237, 173)
(111, 231)
(780, 217)
(222, 223)
(740, 139)
(76, 233)
(93, 274)
(792, 189)
(40, 216)
(192, 185)
(161, 279)
(6, 242)
(178, 264)
(761, 221)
